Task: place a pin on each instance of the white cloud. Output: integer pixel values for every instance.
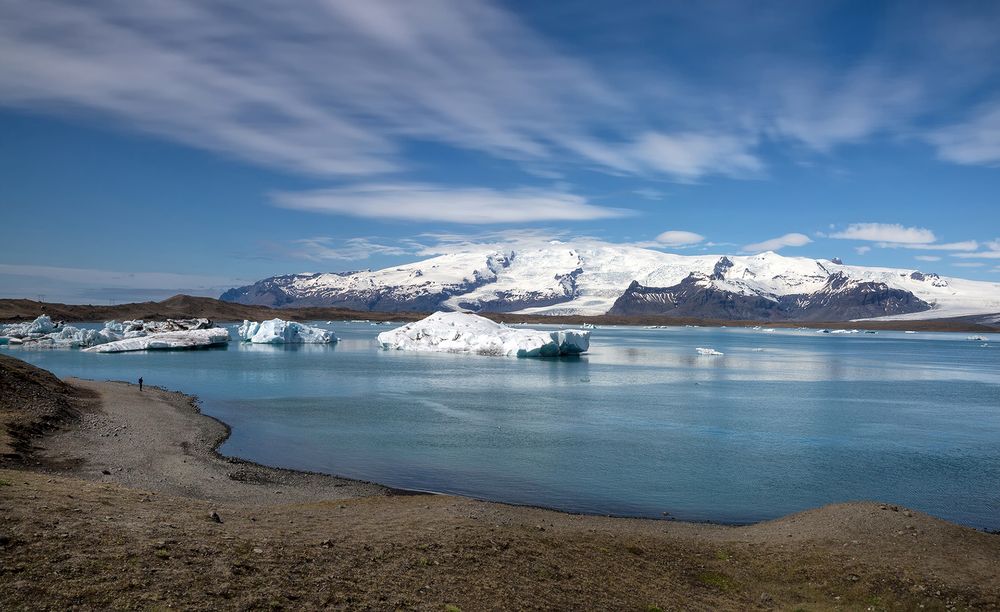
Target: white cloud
(927, 258)
(885, 232)
(689, 155)
(678, 238)
(861, 250)
(974, 142)
(967, 245)
(969, 264)
(788, 240)
(418, 202)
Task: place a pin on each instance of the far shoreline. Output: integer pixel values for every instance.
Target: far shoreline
(186, 307)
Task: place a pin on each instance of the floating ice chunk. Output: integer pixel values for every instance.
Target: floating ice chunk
(708, 351)
(187, 339)
(459, 332)
(278, 331)
(40, 326)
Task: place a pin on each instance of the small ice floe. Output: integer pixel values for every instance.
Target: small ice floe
(460, 332)
(279, 331)
(909, 332)
(588, 326)
(708, 351)
(187, 339)
(756, 350)
(978, 338)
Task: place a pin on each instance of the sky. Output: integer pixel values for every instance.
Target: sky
(149, 149)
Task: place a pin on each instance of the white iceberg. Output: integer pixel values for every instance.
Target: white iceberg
(278, 331)
(187, 339)
(708, 351)
(459, 332)
(39, 327)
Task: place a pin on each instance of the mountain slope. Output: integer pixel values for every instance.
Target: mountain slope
(591, 278)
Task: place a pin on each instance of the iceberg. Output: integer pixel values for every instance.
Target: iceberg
(460, 332)
(39, 327)
(708, 351)
(278, 331)
(187, 339)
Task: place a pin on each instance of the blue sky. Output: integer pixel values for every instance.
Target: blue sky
(191, 146)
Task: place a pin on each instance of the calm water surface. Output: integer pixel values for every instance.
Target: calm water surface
(641, 425)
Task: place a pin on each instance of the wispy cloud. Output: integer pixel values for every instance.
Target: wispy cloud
(885, 233)
(965, 245)
(339, 87)
(979, 255)
(690, 155)
(420, 202)
(927, 258)
(774, 244)
(975, 141)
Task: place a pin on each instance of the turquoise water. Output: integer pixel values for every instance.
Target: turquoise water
(639, 426)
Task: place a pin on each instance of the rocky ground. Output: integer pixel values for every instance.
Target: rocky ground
(128, 506)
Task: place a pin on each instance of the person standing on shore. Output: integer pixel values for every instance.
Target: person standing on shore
(140, 383)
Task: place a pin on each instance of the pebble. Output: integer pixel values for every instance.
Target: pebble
(215, 516)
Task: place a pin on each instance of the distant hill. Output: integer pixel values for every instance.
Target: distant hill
(177, 307)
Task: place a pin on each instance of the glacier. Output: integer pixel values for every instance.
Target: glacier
(459, 332)
(587, 277)
(171, 340)
(279, 331)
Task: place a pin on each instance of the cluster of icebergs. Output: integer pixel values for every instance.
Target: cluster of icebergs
(141, 335)
(459, 332)
(451, 332)
(43, 332)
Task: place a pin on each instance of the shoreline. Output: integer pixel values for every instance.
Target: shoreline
(131, 498)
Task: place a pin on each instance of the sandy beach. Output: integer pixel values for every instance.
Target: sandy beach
(115, 498)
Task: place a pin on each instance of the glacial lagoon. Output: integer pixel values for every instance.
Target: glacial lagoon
(641, 425)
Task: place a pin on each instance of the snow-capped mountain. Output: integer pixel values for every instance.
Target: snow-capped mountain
(597, 278)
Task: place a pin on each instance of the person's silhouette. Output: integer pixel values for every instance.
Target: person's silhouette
(140, 383)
